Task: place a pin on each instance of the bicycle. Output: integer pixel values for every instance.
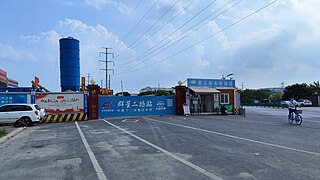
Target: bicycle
(295, 116)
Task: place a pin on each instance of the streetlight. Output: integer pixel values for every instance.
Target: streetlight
(224, 77)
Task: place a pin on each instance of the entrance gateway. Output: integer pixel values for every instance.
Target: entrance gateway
(208, 95)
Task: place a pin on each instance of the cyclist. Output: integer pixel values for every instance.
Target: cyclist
(292, 106)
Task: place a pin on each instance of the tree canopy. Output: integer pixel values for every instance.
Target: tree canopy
(297, 91)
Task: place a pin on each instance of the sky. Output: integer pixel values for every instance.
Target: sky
(160, 42)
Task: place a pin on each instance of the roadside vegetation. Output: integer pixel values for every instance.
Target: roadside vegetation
(156, 93)
(2, 133)
(296, 91)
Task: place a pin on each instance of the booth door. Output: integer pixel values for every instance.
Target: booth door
(206, 103)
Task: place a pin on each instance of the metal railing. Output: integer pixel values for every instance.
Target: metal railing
(269, 105)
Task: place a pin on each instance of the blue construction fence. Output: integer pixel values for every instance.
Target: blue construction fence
(121, 106)
(9, 98)
(112, 106)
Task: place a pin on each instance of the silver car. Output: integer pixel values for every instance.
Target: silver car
(20, 114)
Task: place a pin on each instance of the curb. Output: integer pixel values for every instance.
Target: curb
(11, 135)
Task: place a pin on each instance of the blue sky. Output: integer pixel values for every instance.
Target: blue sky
(152, 40)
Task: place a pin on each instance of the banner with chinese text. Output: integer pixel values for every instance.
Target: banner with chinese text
(56, 103)
(115, 106)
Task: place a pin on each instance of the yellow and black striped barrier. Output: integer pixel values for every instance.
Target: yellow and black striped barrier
(56, 118)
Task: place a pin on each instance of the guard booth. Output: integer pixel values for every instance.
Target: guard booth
(203, 99)
(208, 95)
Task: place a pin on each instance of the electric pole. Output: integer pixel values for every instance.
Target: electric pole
(121, 87)
(89, 75)
(106, 53)
(242, 86)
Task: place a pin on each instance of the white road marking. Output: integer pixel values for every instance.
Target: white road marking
(97, 167)
(199, 169)
(128, 120)
(236, 137)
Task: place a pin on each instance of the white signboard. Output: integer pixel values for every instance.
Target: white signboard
(61, 102)
(186, 109)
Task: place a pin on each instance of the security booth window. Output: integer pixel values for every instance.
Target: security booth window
(224, 98)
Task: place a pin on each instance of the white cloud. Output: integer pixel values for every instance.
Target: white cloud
(180, 5)
(98, 34)
(49, 36)
(104, 3)
(9, 53)
(92, 38)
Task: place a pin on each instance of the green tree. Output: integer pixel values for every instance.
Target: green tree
(297, 91)
(276, 97)
(162, 93)
(249, 95)
(315, 88)
(124, 94)
(147, 93)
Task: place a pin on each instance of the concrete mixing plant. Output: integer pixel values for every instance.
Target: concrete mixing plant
(69, 64)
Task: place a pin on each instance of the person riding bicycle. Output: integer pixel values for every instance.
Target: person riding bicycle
(292, 106)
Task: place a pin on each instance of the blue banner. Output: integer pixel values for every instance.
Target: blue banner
(85, 100)
(116, 106)
(13, 98)
(33, 98)
(214, 83)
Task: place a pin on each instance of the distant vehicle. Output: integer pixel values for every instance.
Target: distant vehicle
(304, 102)
(284, 103)
(21, 114)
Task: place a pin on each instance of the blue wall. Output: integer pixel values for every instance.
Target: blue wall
(115, 106)
(8, 98)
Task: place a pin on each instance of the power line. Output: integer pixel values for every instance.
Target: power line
(183, 37)
(136, 24)
(125, 21)
(168, 22)
(145, 32)
(106, 53)
(236, 22)
(175, 16)
(179, 28)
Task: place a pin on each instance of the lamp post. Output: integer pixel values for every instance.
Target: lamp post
(224, 77)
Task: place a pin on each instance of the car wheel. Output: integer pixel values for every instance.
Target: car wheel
(26, 121)
(18, 123)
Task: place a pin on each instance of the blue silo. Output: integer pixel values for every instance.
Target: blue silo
(69, 64)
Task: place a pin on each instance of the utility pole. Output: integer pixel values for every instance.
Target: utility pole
(106, 53)
(282, 84)
(109, 81)
(121, 87)
(89, 75)
(242, 86)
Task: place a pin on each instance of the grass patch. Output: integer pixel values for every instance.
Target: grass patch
(2, 133)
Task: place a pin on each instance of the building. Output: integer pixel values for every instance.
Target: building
(3, 78)
(208, 95)
(5, 81)
(12, 83)
(274, 90)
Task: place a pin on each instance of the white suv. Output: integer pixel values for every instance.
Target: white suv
(304, 102)
(20, 114)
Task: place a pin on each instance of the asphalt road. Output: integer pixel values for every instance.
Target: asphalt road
(261, 145)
